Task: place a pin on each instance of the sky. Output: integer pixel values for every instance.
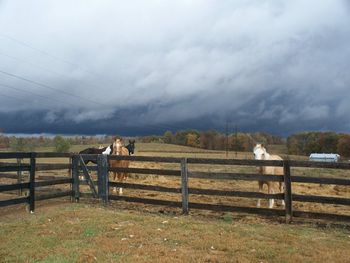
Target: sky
(148, 66)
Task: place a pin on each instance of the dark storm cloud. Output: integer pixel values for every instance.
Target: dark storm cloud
(148, 66)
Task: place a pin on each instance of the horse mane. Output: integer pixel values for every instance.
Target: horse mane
(258, 145)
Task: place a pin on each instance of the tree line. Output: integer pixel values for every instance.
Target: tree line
(214, 140)
(305, 143)
(58, 142)
(302, 143)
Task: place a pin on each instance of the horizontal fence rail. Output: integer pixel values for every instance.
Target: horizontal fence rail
(145, 187)
(236, 176)
(10, 187)
(315, 180)
(78, 168)
(32, 167)
(227, 193)
(146, 171)
(15, 168)
(287, 178)
(16, 201)
(145, 158)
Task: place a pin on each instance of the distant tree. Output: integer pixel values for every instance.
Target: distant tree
(207, 139)
(343, 147)
(61, 144)
(4, 142)
(328, 142)
(312, 143)
(180, 138)
(292, 145)
(234, 144)
(17, 144)
(192, 140)
(168, 137)
(241, 142)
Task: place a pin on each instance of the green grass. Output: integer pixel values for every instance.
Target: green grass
(89, 233)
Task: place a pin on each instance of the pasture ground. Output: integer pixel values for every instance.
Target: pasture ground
(61, 231)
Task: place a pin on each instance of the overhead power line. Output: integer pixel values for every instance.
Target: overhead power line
(12, 97)
(35, 94)
(48, 87)
(61, 75)
(53, 57)
(25, 44)
(147, 126)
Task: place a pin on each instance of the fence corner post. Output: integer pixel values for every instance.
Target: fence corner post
(103, 178)
(287, 191)
(75, 177)
(184, 185)
(32, 182)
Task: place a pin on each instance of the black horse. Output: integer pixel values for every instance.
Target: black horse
(104, 150)
(131, 147)
(97, 150)
(107, 150)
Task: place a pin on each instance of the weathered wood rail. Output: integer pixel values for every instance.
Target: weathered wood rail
(184, 174)
(186, 191)
(32, 184)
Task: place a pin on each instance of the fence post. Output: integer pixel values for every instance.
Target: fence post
(184, 185)
(102, 177)
(19, 175)
(75, 177)
(287, 191)
(32, 182)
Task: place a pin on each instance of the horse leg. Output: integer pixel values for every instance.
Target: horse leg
(282, 191)
(114, 176)
(260, 190)
(271, 191)
(121, 178)
(121, 190)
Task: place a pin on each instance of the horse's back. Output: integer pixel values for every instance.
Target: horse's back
(274, 170)
(86, 151)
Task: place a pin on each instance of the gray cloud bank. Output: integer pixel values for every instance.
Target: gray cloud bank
(138, 67)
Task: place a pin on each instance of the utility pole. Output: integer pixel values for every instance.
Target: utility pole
(236, 140)
(226, 146)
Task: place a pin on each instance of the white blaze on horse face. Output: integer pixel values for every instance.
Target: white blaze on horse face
(118, 146)
(259, 152)
(107, 151)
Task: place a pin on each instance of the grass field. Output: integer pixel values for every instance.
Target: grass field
(61, 231)
(68, 232)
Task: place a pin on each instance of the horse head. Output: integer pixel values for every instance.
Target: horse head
(131, 147)
(259, 152)
(117, 147)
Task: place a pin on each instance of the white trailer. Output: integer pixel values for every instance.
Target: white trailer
(324, 157)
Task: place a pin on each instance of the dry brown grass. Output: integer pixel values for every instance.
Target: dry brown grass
(157, 149)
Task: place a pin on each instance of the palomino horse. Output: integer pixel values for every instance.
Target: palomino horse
(119, 149)
(260, 153)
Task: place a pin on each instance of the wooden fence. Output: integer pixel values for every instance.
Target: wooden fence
(32, 184)
(184, 174)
